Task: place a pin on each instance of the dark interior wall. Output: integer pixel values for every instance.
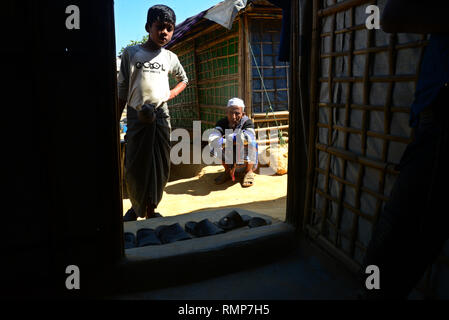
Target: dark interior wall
(62, 202)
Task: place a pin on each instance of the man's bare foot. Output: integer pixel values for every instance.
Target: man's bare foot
(248, 179)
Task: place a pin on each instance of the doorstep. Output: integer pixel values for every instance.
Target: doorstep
(200, 258)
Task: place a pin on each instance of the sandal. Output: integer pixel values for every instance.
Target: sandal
(233, 220)
(147, 237)
(248, 179)
(202, 228)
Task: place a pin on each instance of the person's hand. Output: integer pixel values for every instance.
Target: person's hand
(147, 114)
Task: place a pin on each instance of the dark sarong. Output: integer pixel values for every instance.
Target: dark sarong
(147, 163)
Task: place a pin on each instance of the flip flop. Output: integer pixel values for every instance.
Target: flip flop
(258, 222)
(232, 220)
(172, 233)
(202, 228)
(130, 240)
(248, 179)
(246, 219)
(147, 237)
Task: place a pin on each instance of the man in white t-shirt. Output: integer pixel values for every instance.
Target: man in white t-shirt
(144, 87)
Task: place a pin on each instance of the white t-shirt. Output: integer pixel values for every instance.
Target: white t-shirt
(143, 76)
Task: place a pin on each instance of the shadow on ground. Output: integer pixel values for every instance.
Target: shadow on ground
(201, 187)
(274, 208)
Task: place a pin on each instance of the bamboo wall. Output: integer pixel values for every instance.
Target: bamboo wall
(211, 63)
(363, 84)
(183, 107)
(269, 76)
(220, 66)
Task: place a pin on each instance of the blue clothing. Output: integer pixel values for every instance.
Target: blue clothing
(433, 76)
(284, 46)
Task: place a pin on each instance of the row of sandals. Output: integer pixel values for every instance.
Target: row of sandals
(174, 232)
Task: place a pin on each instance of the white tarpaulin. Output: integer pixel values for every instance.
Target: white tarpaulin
(225, 12)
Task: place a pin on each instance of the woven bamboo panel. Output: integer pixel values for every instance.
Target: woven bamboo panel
(218, 72)
(211, 61)
(363, 87)
(182, 108)
(211, 64)
(216, 35)
(219, 60)
(269, 76)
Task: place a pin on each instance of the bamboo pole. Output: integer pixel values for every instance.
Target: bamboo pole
(309, 203)
(276, 113)
(247, 66)
(269, 141)
(272, 128)
(270, 120)
(342, 7)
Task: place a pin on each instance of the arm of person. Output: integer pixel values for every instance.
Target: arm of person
(415, 16)
(178, 71)
(177, 90)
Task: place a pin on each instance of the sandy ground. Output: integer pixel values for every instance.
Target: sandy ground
(268, 194)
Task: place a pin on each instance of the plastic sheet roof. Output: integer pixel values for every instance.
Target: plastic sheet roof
(224, 9)
(185, 26)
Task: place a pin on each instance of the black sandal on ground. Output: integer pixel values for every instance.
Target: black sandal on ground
(202, 228)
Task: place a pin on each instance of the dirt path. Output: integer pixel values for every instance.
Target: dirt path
(267, 196)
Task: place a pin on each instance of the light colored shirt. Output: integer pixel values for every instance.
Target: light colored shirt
(243, 134)
(143, 76)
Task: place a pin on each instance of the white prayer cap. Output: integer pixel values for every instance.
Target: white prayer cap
(236, 102)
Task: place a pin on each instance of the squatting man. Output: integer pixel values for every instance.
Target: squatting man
(233, 140)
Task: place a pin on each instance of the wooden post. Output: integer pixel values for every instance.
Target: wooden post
(314, 61)
(247, 94)
(241, 60)
(196, 83)
(299, 107)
